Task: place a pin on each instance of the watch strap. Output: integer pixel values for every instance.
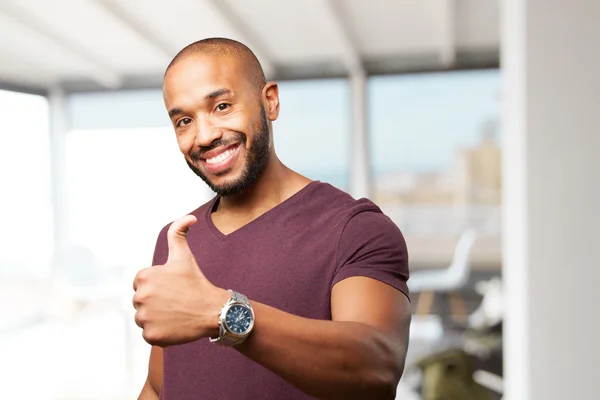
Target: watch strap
(238, 298)
(224, 338)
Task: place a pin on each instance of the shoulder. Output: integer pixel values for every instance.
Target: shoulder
(331, 201)
(370, 220)
(369, 228)
(357, 220)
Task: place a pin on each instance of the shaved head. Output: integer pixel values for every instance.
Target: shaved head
(228, 48)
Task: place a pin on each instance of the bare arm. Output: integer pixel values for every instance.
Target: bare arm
(153, 384)
(358, 355)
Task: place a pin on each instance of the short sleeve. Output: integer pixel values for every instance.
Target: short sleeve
(371, 245)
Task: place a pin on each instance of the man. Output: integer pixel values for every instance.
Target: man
(318, 304)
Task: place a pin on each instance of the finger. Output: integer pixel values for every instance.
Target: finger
(138, 299)
(138, 319)
(177, 238)
(140, 277)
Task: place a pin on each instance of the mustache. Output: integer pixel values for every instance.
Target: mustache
(236, 138)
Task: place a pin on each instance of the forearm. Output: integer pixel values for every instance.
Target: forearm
(148, 393)
(326, 359)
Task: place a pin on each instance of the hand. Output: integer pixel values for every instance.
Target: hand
(175, 302)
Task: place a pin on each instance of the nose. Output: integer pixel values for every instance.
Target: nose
(206, 132)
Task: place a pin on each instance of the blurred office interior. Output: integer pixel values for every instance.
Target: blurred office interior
(471, 123)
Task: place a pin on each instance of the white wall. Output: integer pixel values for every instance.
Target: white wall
(551, 64)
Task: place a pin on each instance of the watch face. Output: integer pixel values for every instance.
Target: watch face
(238, 319)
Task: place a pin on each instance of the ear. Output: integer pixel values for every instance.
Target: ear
(270, 94)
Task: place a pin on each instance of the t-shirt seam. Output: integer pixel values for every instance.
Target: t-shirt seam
(337, 250)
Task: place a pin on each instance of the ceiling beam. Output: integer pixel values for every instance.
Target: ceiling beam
(239, 26)
(391, 65)
(351, 55)
(98, 70)
(448, 33)
(20, 88)
(116, 9)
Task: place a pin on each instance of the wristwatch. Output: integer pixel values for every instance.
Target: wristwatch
(236, 320)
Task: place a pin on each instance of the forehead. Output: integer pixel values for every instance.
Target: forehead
(195, 76)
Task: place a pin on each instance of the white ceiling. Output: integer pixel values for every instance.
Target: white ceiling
(96, 44)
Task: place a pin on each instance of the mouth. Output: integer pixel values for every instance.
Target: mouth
(221, 159)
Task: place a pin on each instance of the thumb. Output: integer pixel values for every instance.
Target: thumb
(177, 238)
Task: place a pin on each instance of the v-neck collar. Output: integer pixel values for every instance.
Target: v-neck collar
(266, 215)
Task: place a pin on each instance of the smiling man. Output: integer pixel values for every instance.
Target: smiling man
(279, 287)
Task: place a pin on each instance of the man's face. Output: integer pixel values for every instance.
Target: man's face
(220, 123)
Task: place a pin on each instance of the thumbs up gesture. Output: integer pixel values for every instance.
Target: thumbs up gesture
(174, 302)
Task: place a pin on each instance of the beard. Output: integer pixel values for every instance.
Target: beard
(255, 160)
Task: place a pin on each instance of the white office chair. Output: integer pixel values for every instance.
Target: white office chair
(491, 310)
(450, 280)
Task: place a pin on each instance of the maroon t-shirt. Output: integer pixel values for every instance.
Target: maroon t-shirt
(289, 258)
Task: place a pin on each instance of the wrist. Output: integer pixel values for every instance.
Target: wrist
(210, 327)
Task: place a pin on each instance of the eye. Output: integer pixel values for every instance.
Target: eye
(183, 122)
(222, 106)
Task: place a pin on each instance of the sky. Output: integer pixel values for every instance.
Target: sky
(415, 121)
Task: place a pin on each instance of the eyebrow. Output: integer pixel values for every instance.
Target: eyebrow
(211, 96)
(218, 93)
(175, 111)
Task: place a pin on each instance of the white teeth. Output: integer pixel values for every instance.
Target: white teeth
(220, 157)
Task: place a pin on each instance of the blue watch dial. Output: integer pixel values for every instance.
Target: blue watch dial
(238, 319)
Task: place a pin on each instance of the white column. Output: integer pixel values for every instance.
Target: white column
(551, 172)
(59, 127)
(360, 175)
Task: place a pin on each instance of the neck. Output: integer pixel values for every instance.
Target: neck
(276, 184)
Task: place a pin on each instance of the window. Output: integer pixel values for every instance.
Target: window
(312, 132)
(436, 156)
(26, 214)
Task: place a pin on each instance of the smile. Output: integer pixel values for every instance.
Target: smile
(220, 161)
(223, 156)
